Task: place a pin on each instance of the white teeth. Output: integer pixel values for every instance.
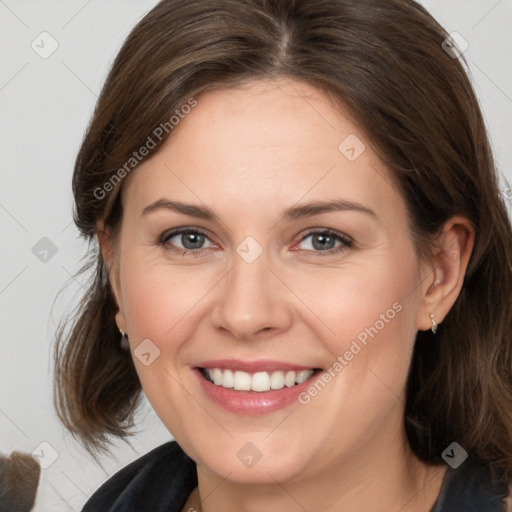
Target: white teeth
(260, 381)
(289, 379)
(217, 376)
(277, 380)
(303, 376)
(228, 380)
(242, 381)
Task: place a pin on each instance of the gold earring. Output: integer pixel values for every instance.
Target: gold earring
(434, 324)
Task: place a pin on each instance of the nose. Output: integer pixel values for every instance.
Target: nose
(252, 300)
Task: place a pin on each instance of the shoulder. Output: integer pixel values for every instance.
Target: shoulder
(472, 487)
(159, 480)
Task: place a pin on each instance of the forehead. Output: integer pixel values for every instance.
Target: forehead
(260, 144)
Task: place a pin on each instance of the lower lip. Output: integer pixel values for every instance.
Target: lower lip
(252, 403)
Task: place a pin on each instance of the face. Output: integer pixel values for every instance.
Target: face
(289, 253)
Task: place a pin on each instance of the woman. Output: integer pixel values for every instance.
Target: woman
(304, 262)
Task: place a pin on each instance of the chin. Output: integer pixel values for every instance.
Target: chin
(251, 464)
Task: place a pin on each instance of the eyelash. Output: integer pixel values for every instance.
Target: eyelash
(346, 242)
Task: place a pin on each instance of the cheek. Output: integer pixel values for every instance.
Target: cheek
(368, 315)
(160, 305)
(158, 299)
(363, 302)
(372, 312)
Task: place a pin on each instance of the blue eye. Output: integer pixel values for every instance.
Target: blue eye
(191, 240)
(326, 242)
(187, 240)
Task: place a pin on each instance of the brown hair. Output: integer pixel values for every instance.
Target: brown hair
(19, 478)
(385, 63)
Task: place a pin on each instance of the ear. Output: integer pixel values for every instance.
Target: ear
(443, 277)
(107, 248)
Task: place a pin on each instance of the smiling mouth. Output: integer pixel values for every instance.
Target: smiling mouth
(259, 382)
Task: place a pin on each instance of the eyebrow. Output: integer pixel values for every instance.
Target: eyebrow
(292, 213)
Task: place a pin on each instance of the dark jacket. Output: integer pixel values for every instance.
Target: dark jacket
(162, 480)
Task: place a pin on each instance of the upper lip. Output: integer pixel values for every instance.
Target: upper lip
(252, 366)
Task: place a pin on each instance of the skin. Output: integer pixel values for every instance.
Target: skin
(248, 153)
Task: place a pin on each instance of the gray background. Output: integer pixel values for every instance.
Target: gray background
(45, 104)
